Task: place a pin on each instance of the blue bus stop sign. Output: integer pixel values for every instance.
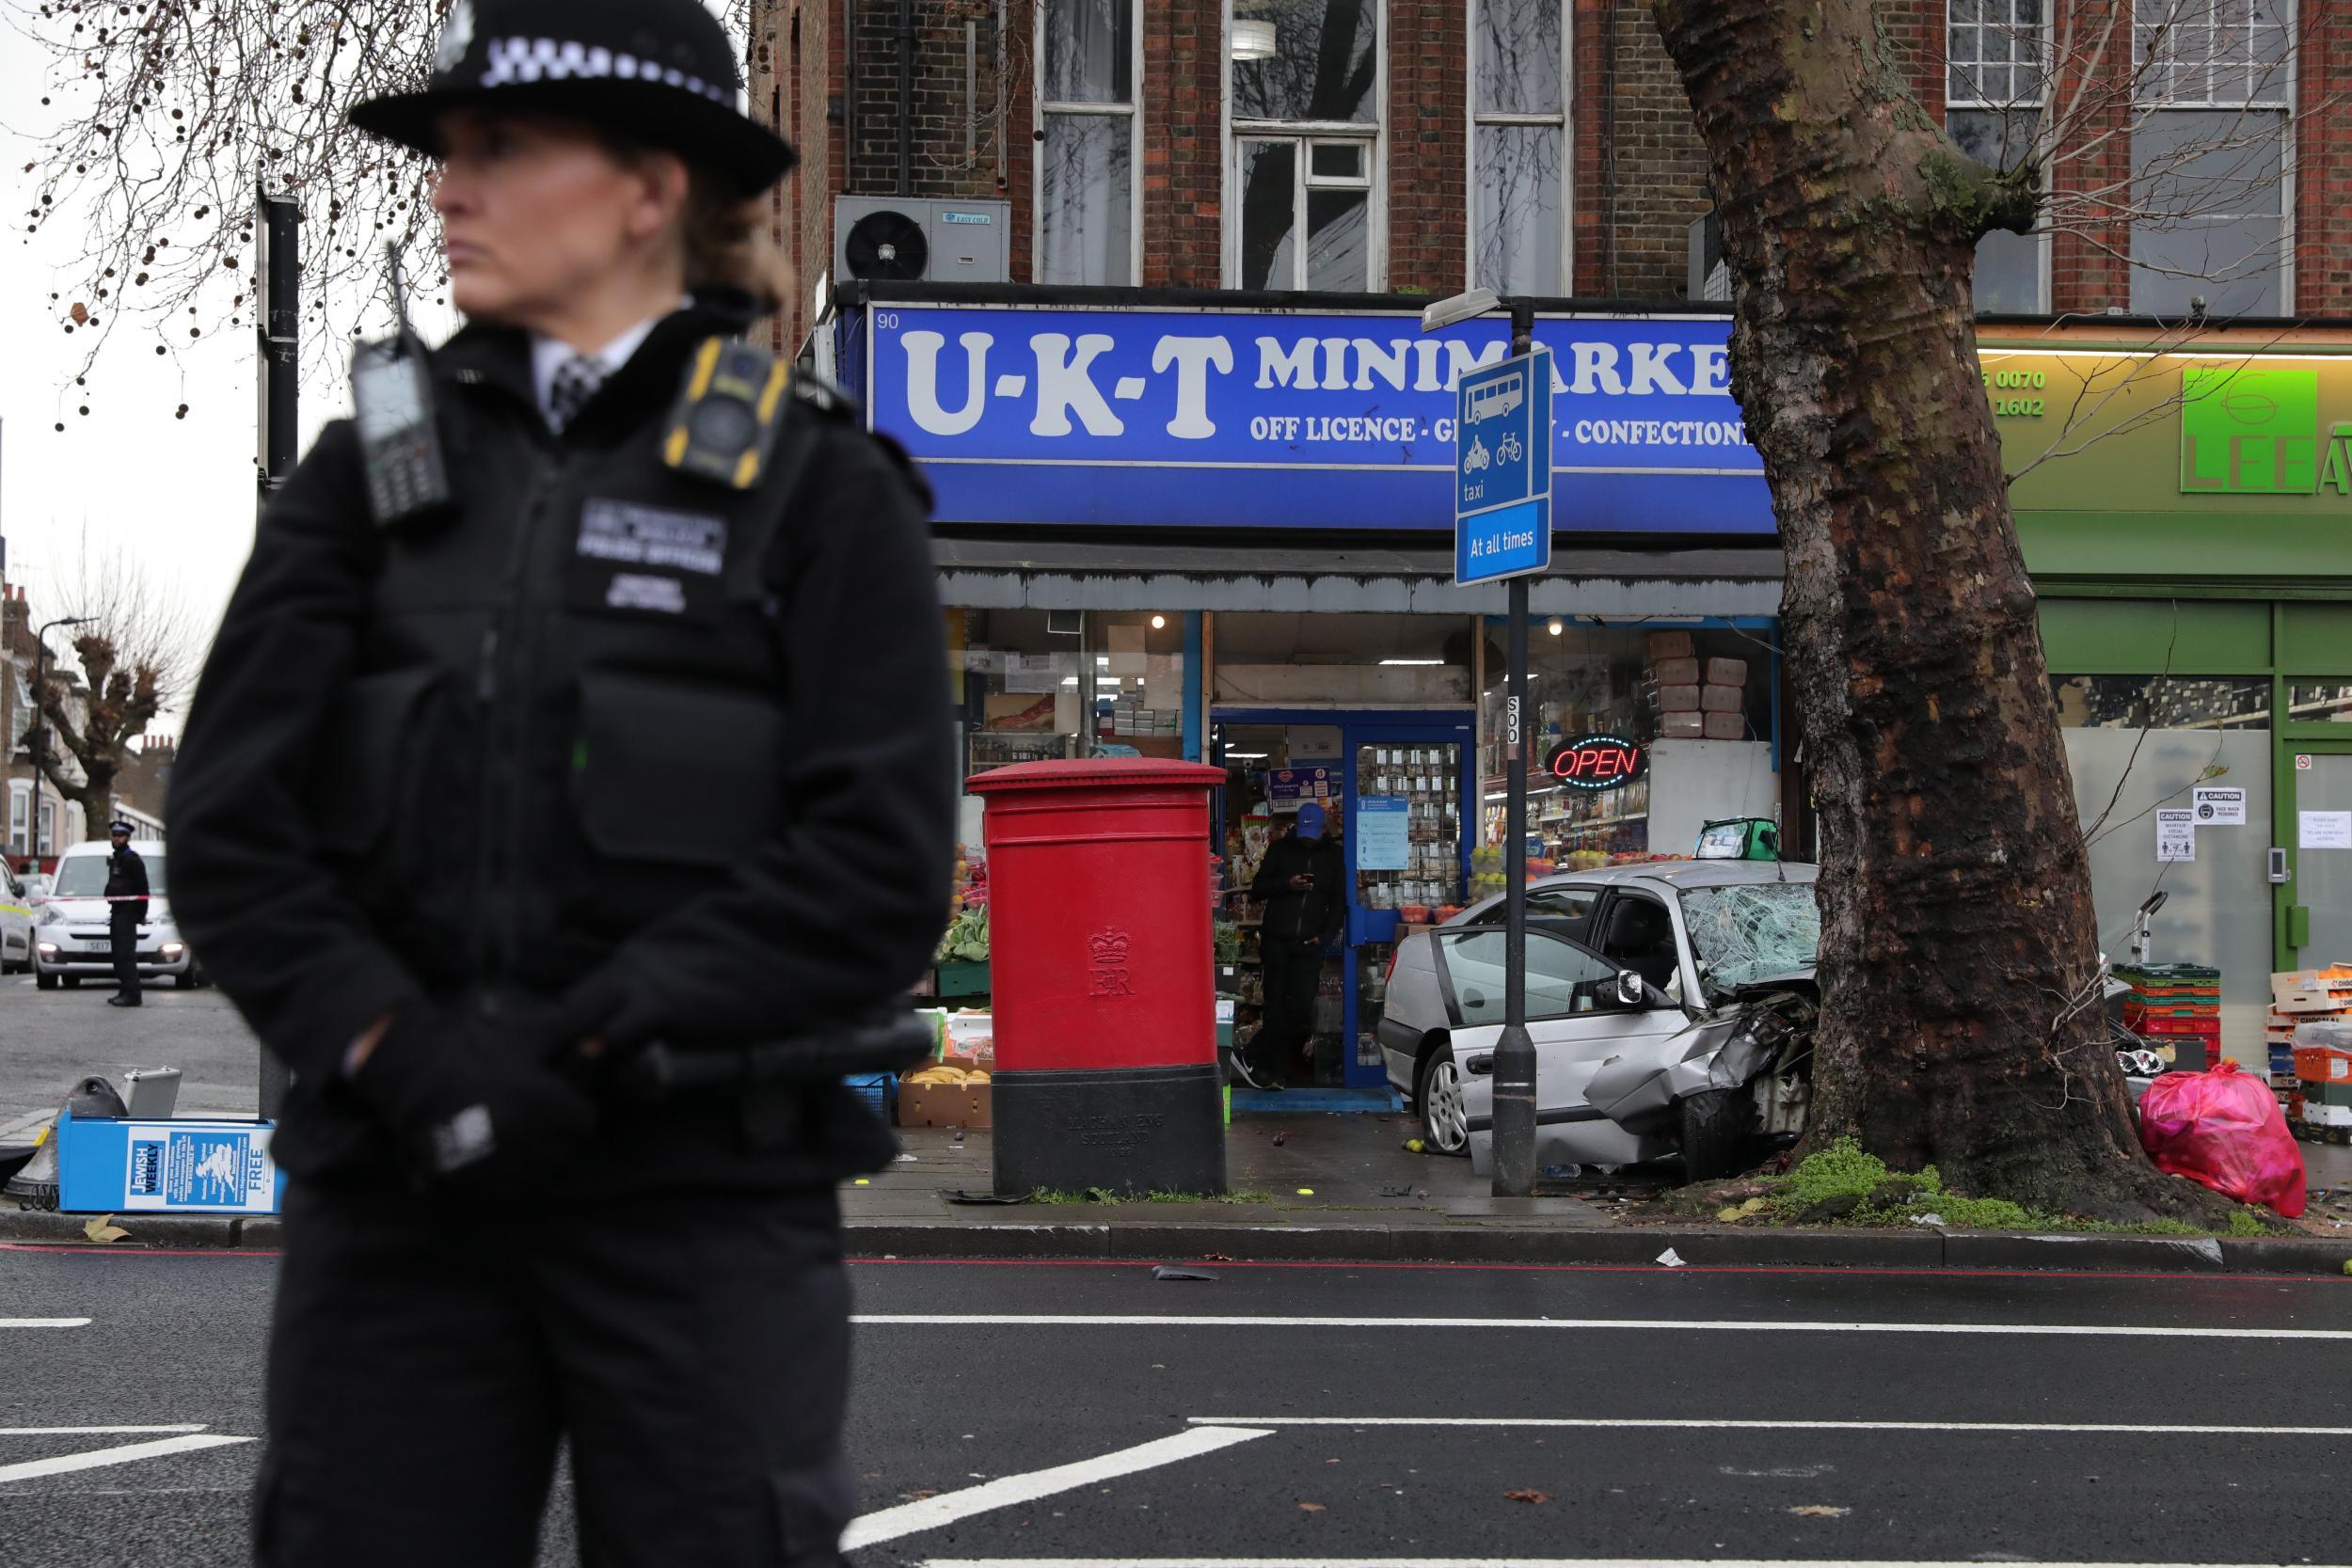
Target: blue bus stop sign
(1503, 469)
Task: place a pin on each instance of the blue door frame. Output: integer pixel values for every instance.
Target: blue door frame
(1358, 728)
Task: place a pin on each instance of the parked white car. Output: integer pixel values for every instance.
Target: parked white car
(70, 940)
(1643, 1000)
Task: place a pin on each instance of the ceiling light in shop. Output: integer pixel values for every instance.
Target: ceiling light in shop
(1555, 627)
(1159, 623)
(1069, 680)
(1246, 756)
(1253, 39)
(1413, 662)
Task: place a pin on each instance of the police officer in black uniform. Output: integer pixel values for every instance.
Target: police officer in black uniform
(126, 909)
(634, 752)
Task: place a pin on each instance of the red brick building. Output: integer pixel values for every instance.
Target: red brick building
(1198, 465)
(1349, 144)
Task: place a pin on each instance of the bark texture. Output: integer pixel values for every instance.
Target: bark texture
(1961, 1020)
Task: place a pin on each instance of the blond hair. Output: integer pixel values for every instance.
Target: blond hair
(731, 241)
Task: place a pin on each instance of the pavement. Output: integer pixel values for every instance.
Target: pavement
(1302, 1185)
(1050, 1415)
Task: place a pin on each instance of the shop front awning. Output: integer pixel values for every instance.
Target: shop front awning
(1052, 574)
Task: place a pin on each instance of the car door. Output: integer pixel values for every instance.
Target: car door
(16, 919)
(1634, 929)
(1572, 1016)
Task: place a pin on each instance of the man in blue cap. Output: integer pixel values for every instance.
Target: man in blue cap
(1302, 883)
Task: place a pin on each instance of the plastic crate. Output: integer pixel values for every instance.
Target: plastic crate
(963, 979)
(879, 1090)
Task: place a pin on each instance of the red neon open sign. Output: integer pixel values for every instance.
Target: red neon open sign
(1598, 762)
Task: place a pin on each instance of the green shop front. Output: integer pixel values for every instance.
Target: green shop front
(2185, 508)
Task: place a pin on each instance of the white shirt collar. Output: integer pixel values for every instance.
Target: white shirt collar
(547, 355)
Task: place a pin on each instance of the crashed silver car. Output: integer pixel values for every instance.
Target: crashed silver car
(1672, 1006)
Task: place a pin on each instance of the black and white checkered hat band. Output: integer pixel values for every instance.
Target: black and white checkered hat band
(514, 60)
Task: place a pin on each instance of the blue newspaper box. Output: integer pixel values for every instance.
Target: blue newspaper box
(184, 1166)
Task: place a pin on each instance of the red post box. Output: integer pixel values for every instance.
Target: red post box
(1099, 959)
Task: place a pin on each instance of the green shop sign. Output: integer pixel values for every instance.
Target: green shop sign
(2212, 461)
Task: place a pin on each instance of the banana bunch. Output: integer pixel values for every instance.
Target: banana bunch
(939, 1072)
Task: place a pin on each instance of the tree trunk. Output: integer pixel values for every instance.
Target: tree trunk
(1962, 1022)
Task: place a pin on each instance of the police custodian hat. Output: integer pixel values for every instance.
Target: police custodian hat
(662, 71)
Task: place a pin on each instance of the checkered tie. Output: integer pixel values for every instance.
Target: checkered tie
(576, 381)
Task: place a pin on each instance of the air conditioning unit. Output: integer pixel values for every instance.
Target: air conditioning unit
(1710, 277)
(896, 239)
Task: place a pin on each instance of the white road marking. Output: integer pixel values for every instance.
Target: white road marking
(1006, 1491)
(127, 1453)
(45, 1322)
(105, 1432)
(1705, 1424)
(1675, 1326)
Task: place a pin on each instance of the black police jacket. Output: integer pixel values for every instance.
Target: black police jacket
(672, 758)
(126, 877)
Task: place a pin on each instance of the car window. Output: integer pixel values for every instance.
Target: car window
(1752, 930)
(1563, 979)
(85, 875)
(1568, 910)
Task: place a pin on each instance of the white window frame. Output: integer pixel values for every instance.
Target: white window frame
(2287, 88)
(20, 815)
(1306, 132)
(1131, 111)
(2039, 104)
(45, 841)
(1565, 120)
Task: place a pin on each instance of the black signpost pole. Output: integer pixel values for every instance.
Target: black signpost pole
(1514, 1051)
(277, 320)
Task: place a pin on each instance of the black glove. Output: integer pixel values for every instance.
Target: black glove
(472, 1103)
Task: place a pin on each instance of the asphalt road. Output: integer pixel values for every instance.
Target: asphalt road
(1335, 1415)
(52, 1040)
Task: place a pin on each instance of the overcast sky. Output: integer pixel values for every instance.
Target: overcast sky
(176, 491)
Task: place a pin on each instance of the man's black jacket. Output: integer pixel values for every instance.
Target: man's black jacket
(1301, 919)
(672, 758)
(126, 877)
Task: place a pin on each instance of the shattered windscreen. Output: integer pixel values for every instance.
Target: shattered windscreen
(1752, 930)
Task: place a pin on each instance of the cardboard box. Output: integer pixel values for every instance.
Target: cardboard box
(1678, 699)
(2312, 990)
(1722, 699)
(945, 1105)
(1725, 726)
(1681, 726)
(1726, 671)
(1676, 671)
(1669, 644)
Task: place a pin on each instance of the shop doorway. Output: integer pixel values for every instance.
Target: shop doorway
(1398, 787)
(2320, 899)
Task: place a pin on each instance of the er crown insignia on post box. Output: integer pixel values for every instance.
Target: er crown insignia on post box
(1106, 960)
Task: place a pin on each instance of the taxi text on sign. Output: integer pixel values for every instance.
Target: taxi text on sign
(1503, 469)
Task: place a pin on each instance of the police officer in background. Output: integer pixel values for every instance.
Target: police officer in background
(126, 907)
(637, 748)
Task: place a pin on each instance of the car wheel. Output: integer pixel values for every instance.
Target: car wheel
(71, 982)
(1438, 1091)
(45, 980)
(184, 982)
(1715, 1130)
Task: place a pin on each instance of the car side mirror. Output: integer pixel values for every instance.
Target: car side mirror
(1633, 993)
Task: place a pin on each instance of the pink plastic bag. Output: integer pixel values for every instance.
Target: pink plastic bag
(2225, 1130)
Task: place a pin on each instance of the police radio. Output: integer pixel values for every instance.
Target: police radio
(400, 444)
(725, 423)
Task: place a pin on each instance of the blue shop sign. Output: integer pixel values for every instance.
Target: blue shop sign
(1217, 418)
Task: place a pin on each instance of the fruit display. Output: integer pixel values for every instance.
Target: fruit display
(939, 1072)
(966, 939)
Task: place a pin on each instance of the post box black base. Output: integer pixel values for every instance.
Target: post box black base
(1124, 1130)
